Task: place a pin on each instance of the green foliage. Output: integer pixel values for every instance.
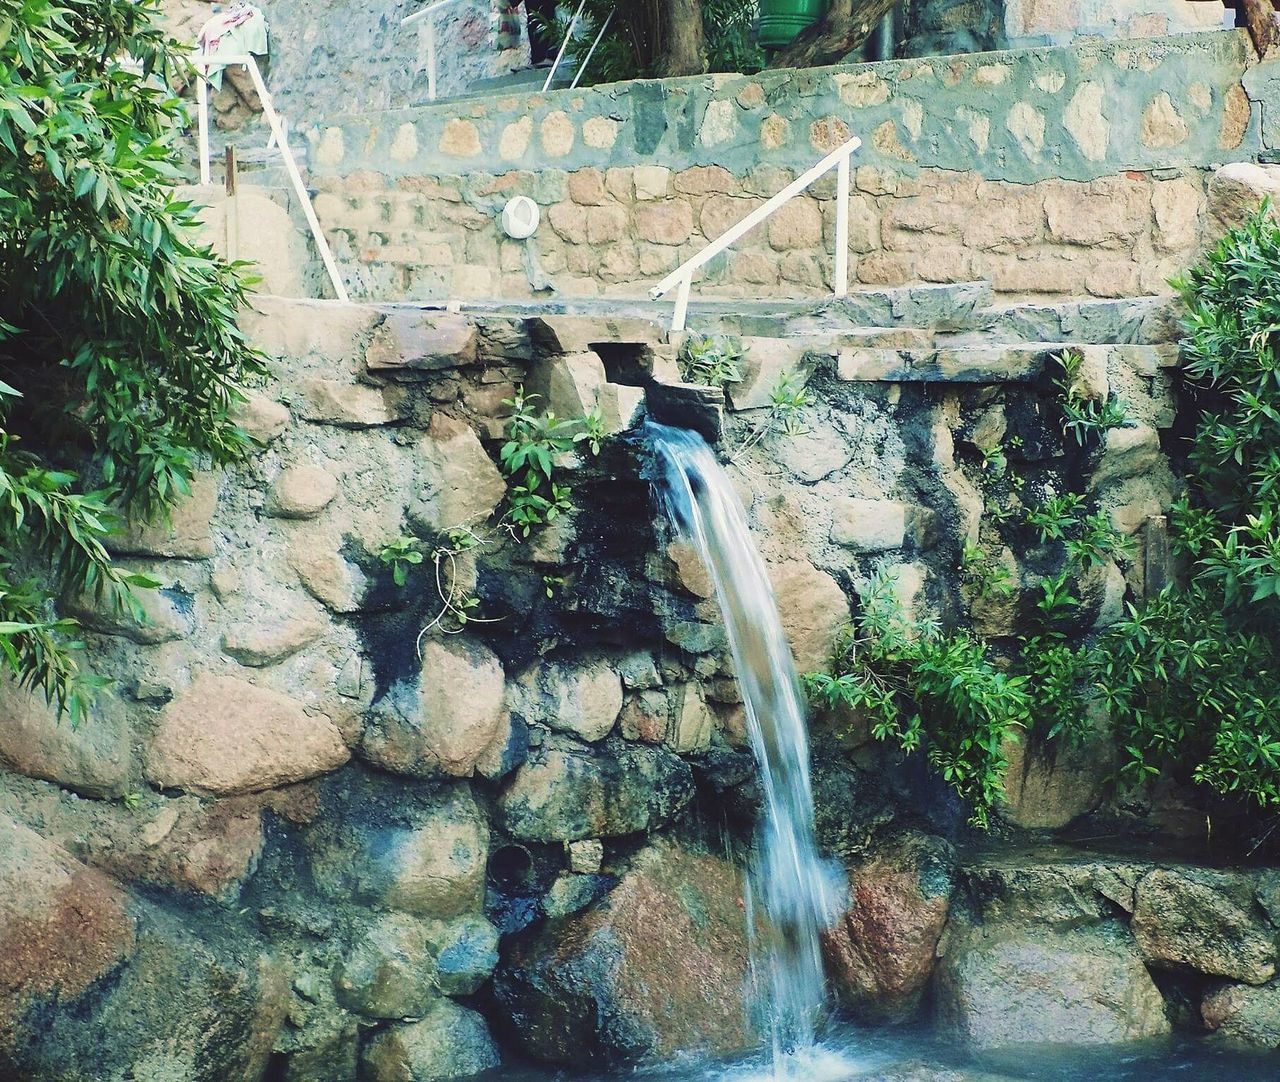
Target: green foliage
(922, 687)
(1087, 420)
(1191, 677)
(711, 359)
(119, 352)
(632, 43)
(400, 554)
(787, 401)
(535, 444)
(987, 578)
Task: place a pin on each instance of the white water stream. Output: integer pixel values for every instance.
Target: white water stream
(792, 888)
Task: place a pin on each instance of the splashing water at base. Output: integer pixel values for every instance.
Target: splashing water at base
(791, 886)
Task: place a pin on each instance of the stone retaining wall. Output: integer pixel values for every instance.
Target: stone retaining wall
(1074, 170)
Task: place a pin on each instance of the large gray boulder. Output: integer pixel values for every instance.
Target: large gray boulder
(1023, 985)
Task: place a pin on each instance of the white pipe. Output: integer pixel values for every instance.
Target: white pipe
(592, 51)
(757, 216)
(842, 228)
(202, 120)
(568, 37)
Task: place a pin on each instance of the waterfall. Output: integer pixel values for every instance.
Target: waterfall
(789, 884)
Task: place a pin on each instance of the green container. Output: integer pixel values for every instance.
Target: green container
(782, 20)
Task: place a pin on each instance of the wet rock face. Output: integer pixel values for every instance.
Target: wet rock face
(446, 721)
(1205, 922)
(450, 1042)
(568, 791)
(657, 968)
(882, 952)
(1025, 985)
(93, 984)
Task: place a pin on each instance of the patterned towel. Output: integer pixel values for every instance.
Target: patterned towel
(241, 29)
(509, 23)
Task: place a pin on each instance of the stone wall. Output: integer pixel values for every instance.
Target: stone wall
(353, 55)
(297, 828)
(1055, 171)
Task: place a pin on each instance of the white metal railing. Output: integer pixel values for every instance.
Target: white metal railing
(838, 159)
(279, 136)
(428, 13)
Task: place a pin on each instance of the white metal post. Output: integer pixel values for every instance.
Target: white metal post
(592, 51)
(842, 228)
(431, 57)
(568, 37)
(291, 167)
(682, 304)
(202, 122)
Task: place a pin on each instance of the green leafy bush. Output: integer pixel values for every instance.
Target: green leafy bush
(119, 351)
(531, 457)
(631, 47)
(920, 686)
(1191, 677)
(711, 359)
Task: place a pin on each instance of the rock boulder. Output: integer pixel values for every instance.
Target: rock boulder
(223, 735)
(655, 969)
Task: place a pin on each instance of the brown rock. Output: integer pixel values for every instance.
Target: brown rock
(1242, 1015)
(257, 646)
(445, 724)
(669, 221)
(302, 492)
(410, 342)
(658, 968)
(161, 616)
(261, 417)
(796, 225)
(1024, 985)
(351, 405)
(881, 954)
(459, 484)
(63, 927)
(327, 575)
(94, 758)
(223, 735)
(186, 535)
(1202, 921)
(814, 610)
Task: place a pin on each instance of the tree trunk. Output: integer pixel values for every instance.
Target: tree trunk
(683, 48)
(1260, 18)
(847, 24)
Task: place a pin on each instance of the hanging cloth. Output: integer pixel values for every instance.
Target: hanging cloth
(240, 29)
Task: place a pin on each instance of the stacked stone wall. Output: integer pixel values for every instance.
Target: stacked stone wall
(1064, 171)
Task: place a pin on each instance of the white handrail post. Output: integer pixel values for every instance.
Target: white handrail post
(682, 303)
(842, 228)
(291, 167)
(568, 37)
(431, 57)
(202, 121)
(592, 51)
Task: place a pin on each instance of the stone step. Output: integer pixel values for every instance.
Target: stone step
(1136, 320)
(1001, 363)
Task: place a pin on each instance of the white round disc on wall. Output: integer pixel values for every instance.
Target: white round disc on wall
(520, 218)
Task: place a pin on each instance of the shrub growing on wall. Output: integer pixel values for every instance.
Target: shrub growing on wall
(119, 353)
(1192, 678)
(1189, 678)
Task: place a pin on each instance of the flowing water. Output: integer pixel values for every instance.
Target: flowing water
(790, 885)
